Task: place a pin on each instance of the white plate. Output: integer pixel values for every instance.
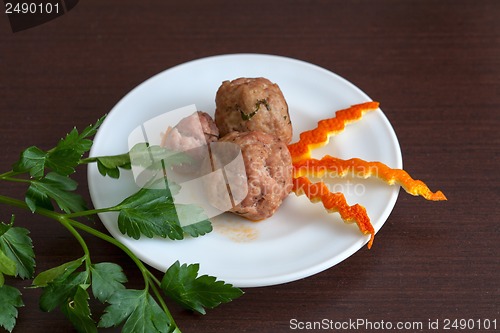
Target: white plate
(301, 239)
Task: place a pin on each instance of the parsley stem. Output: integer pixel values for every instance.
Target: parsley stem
(155, 280)
(111, 240)
(65, 220)
(13, 202)
(56, 216)
(66, 223)
(88, 160)
(8, 174)
(9, 177)
(162, 303)
(89, 212)
(17, 180)
(144, 270)
(160, 298)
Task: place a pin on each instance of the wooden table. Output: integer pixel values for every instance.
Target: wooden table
(433, 65)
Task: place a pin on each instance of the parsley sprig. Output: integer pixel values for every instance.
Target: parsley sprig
(150, 212)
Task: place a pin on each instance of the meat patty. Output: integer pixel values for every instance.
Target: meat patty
(252, 104)
(268, 166)
(191, 135)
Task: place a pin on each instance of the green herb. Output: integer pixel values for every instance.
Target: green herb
(248, 116)
(10, 300)
(138, 310)
(16, 245)
(55, 187)
(62, 159)
(107, 278)
(182, 283)
(149, 212)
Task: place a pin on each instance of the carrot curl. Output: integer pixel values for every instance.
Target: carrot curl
(338, 167)
(335, 202)
(319, 136)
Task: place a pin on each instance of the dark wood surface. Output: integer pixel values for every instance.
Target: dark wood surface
(433, 65)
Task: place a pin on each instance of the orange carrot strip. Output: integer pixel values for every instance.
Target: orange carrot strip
(335, 202)
(338, 167)
(319, 136)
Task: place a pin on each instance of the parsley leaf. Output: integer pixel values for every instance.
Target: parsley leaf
(60, 290)
(35, 161)
(17, 245)
(59, 284)
(62, 272)
(198, 229)
(58, 188)
(109, 165)
(156, 157)
(192, 213)
(10, 300)
(182, 284)
(79, 142)
(138, 309)
(62, 159)
(77, 310)
(7, 265)
(32, 159)
(88, 132)
(107, 278)
(5, 227)
(150, 212)
(143, 155)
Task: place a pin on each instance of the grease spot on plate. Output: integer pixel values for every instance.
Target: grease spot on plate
(237, 231)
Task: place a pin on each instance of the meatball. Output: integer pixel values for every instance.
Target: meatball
(268, 166)
(252, 104)
(191, 135)
(191, 132)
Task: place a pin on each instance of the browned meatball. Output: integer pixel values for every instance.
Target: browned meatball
(191, 135)
(268, 166)
(187, 135)
(252, 104)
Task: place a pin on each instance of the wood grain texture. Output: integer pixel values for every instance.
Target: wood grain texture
(433, 65)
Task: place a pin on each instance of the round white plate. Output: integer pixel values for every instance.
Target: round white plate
(301, 239)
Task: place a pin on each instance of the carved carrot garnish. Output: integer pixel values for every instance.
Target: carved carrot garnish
(335, 202)
(319, 136)
(305, 166)
(334, 166)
